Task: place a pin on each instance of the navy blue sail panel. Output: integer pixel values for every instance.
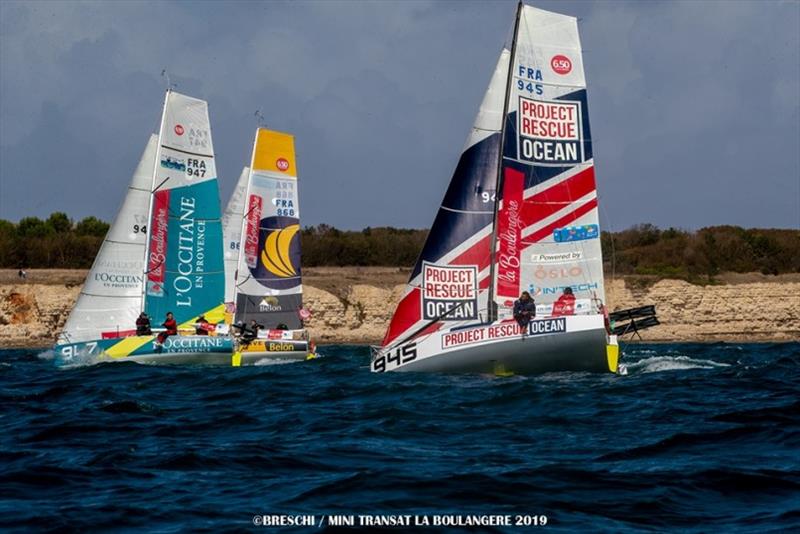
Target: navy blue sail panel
(537, 174)
(468, 204)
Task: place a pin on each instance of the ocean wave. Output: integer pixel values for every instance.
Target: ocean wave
(656, 364)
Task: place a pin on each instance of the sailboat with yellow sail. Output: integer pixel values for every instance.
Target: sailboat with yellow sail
(262, 233)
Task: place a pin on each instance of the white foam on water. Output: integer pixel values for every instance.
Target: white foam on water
(656, 364)
(274, 361)
(47, 355)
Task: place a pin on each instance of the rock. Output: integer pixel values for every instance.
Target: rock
(32, 314)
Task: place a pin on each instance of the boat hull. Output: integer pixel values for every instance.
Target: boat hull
(552, 344)
(180, 350)
(204, 350)
(260, 350)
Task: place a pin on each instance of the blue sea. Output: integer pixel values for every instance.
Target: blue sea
(697, 438)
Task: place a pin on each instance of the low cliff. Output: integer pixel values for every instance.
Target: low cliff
(354, 305)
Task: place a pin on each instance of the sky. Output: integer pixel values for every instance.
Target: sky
(694, 106)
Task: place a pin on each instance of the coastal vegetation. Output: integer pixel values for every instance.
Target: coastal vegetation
(59, 242)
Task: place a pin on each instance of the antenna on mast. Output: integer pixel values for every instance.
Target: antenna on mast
(260, 119)
(170, 85)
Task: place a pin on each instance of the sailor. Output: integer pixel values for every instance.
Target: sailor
(203, 327)
(524, 309)
(171, 329)
(250, 332)
(281, 326)
(143, 325)
(565, 305)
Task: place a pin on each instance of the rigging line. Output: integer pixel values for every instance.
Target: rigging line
(159, 185)
(465, 211)
(428, 324)
(613, 245)
(156, 267)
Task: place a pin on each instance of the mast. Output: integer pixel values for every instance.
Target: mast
(492, 307)
(150, 209)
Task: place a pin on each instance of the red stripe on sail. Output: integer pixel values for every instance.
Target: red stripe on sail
(547, 202)
(406, 315)
(509, 234)
(561, 222)
(477, 254)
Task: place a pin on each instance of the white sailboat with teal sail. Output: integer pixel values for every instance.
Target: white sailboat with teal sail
(163, 253)
(262, 226)
(520, 214)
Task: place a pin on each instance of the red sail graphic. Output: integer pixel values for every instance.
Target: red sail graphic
(254, 208)
(156, 261)
(509, 234)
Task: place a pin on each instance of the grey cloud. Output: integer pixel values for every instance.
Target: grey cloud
(694, 105)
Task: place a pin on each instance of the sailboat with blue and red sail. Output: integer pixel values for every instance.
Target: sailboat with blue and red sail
(520, 214)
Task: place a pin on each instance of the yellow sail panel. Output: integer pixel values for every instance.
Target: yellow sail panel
(274, 151)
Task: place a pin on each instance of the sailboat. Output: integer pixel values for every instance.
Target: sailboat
(261, 225)
(163, 253)
(520, 214)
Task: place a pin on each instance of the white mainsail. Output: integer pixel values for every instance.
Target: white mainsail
(110, 299)
(232, 233)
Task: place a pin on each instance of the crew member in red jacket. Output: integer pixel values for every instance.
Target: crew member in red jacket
(171, 329)
(565, 305)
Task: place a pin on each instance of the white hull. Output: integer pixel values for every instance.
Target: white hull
(574, 343)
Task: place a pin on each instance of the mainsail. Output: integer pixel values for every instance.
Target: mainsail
(548, 234)
(269, 285)
(232, 233)
(110, 299)
(185, 272)
(529, 222)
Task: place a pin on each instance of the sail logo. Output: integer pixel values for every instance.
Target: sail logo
(509, 234)
(576, 233)
(199, 138)
(561, 64)
(178, 129)
(158, 244)
(169, 162)
(191, 252)
(550, 132)
(537, 291)
(561, 257)
(269, 304)
(276, 255)
(449, 293)
(254, 208)
(282, 164)
(119, 281)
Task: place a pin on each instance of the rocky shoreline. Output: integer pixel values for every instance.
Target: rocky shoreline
(353, 305)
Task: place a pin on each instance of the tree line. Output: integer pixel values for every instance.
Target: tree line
(59, 242)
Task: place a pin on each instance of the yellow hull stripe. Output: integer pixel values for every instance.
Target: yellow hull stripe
(128, 345)
(213, 316)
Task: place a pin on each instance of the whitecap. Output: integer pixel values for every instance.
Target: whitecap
(655, 364)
